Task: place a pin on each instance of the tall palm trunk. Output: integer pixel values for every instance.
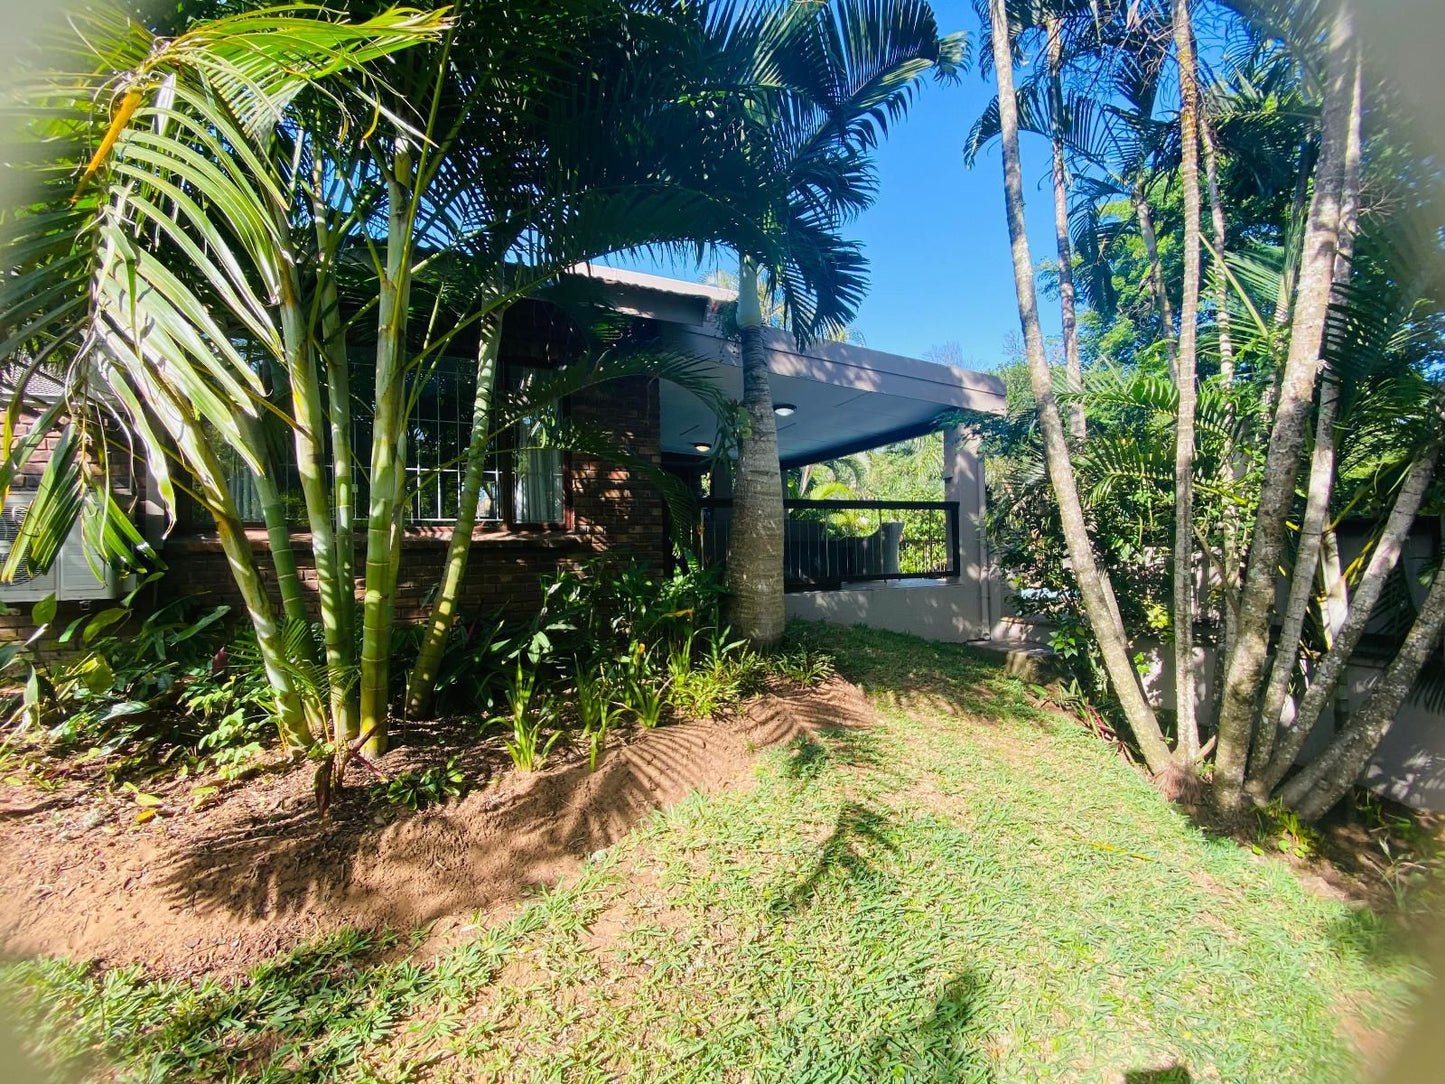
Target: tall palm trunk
(387, 459)
(1187, 748)
(199, 456)
(755, 542)
(1217, 229)
(309, 428)
(1325, 781)
(421, 687)
(1229, 468)
(1313, 527)
(1372, 583)
(1073, 368)
(1156, 277)
(1245, 669)
(1302, 583)
(1094, 586)
(278, 540)
(343, 497)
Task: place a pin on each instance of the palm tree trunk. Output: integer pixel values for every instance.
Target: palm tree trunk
(387, 463)
(1324, 782)
(755, 542)
(1073, 368)
(278, 539)
(1301, 588)
(1187, 748)
(1156, 278)
(1320, 486)
(344, 722)
(421, 686)
(200, 458)
(1094, 585)
(1332, 666)
(1217, 228)
(1245, 670)
(308, 429)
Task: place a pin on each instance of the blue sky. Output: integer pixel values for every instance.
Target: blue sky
(936, 237)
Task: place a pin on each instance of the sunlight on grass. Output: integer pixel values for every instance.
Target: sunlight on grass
(973, 890)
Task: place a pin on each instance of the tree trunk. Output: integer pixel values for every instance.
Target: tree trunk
(1372, 583)
(1218, 229)
(1073, 368)
(1301, 587)
(1156, 279)
(200, 459)
(1245, 670)
(755, 604)
(1323, 783)
(421, 687)
(343, 497)
(278, 539)
(1229, 469)
(1187, 748)
(387, 464)
(1094, 586)
(308, 431)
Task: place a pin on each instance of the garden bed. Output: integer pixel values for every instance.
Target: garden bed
(257, 871)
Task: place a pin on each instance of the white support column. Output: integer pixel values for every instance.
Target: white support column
(963, 482)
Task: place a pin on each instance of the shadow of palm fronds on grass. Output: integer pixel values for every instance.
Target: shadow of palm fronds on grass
(845, 855)
(944, 1045)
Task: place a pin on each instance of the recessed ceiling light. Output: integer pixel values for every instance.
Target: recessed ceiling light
(784, 410)
(703, 447)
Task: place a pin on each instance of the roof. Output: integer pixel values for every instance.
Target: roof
(847, 397)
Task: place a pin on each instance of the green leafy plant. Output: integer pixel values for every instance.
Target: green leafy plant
(528, 711)
(803, 665)
(642, 691)
(1281, 828)
(596, 711)
(430, 786)
(139, 691)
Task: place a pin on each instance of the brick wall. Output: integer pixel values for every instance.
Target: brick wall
(613, 511)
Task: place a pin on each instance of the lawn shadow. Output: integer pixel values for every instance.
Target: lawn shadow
(1172, 1074)
(938, 1047)
(844, 854)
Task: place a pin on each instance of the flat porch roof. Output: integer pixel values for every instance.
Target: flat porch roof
(847, 398)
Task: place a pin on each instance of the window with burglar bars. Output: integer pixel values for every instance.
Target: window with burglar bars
(524, 484)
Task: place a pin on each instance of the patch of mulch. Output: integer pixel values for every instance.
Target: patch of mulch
(222, 887)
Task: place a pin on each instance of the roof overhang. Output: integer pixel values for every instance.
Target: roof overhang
(848, 398)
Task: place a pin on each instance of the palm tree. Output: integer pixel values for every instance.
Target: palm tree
(1094, 586)
(1244, 670)
(290, 232)
(140, 262)
(1187, 725)
(828, 78)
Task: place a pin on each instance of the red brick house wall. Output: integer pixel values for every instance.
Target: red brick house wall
(612, 511)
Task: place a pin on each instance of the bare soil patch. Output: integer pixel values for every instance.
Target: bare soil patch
(219, 888)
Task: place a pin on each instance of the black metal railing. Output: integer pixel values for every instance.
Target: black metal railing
(829, 543)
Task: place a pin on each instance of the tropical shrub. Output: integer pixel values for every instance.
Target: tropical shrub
(142, 690)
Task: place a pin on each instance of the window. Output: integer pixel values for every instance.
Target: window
(538, 483)
(525, 483)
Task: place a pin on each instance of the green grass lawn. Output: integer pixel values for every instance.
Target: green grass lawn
(972, 890)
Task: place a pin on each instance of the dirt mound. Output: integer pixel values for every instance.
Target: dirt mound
(219, 888)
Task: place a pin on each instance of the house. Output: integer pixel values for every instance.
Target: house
(542, 509)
